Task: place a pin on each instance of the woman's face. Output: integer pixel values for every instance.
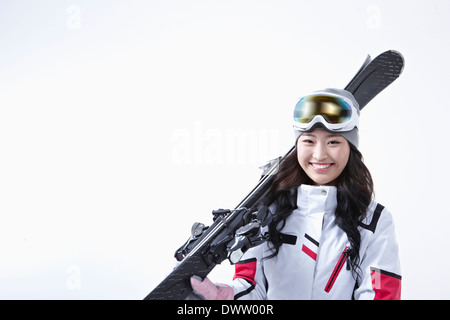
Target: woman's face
(322, 155)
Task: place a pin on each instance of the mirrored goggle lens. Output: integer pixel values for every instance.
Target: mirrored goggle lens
(334, 110)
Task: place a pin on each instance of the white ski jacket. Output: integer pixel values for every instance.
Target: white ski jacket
(312, 261)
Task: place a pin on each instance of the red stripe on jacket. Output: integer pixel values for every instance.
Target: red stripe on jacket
(387, 285)
(246, 270)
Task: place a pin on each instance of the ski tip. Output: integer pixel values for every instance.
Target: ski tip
(400, 59)
(395, 57)
(366, 62)
(393, 52)
(374, 76)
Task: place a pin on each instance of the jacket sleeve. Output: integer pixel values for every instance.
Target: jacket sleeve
(249, 282)
(380, 265)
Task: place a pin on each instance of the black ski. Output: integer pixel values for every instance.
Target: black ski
(375, 75)
(209, 246)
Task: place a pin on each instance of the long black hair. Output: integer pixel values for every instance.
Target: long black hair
(354, 194)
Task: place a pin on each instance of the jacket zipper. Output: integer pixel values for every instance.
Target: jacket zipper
(337, 270)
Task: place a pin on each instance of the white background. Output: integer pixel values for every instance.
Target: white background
(123, 122)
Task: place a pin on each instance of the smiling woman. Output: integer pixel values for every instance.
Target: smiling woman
(324, 218)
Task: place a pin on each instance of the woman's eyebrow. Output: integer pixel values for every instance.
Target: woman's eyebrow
(330, 135)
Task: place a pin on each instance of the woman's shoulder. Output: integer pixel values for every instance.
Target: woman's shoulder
(376, 214)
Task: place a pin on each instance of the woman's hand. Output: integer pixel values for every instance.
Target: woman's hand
(210, 291)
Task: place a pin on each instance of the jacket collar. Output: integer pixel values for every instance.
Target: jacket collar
(316, 199)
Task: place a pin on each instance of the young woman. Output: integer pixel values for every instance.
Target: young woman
(328, 239)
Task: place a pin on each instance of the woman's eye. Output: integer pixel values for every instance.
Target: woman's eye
(334, 142)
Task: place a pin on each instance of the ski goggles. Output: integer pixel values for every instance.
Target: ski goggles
(335, 113)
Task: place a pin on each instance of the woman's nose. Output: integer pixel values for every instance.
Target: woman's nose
(320, 152)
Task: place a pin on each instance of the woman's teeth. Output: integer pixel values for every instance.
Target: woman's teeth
(321, 166)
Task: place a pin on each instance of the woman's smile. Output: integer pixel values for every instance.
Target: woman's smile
(321, 166)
